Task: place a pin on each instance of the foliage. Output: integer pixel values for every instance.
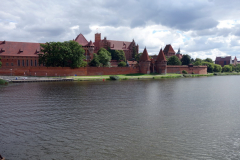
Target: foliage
(186, 59)
(104, 57)
(61, 54)
(184, 72)
(217, 68)
(208, 60)
(83, 64)
(118, 55)
(122, 64)
(95, 61)
(237, 68)
(227, 68)
(114, 77)
(138, 56)
(197, 62)
(192, 60)
(2, 82)
(210, 66)
(0, 62)
(173, 60)
(134, 53)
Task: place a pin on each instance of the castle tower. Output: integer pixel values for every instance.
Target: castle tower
(90, 50)
(97, 41)
(161, 63)
(144, 62)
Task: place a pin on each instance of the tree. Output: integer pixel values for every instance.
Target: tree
(173, 60)
(137, 56)
(197, 62)
(120, 55)
(61, 54)
(217, 68)
(122, 64)
(186, 59)
(0, 62)
(208, 60)
(227, 68)
(210, 66)
(95, 61)
(104, 57)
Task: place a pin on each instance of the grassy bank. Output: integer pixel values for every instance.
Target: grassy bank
(137, 76)
(3, 82)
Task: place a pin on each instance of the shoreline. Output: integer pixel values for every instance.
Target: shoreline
(25, 79)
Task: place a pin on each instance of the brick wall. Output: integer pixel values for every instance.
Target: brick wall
(66, 71)
(179, 69)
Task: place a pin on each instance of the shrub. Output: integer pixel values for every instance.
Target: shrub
(122, 64)
(2, 82)
(184, 72)
(227, 68)
(83, 64)
(114, 77)
(217, 68)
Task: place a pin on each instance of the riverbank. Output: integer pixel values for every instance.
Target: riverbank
(137, 76)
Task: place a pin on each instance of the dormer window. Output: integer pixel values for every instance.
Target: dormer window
(2, 50)
(20, 50)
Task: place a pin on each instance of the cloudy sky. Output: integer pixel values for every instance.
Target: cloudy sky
(201, 28)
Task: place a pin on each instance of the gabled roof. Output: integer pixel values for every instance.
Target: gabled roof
(144, 56)
(161, 56)
(90, 44)
(168, 49)
(19, 49)
(227, 58)
(81, 40)
(119, 45)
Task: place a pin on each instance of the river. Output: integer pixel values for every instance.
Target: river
(184, 118)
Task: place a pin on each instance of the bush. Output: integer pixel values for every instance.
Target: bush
(83, 64)
(184, 72)
(122, 64)
(2, 82)
(217, 68)
(227, 68)
(173, 60)
(114, 77)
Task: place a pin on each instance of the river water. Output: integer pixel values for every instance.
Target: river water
(184, 118)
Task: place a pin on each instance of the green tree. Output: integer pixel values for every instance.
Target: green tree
(104, 57)
(61, 54)
(137, 57)
(197, 62)
(120, 55)
(208, 60)
(186, 59)
(173, 60)
(95, 61)
(217, 68)
(210, 66)
(0, 62)
(227, 68)
(237, 68)
(122, 64)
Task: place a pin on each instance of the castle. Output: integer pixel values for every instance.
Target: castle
(22, 57)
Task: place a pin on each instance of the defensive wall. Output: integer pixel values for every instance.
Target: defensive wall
(66, 71)
(190, 69)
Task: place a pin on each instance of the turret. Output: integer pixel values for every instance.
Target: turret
(144, 62)
(161, 63)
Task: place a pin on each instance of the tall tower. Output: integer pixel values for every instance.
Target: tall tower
(97, 41)
(144, 62)
(161, 63)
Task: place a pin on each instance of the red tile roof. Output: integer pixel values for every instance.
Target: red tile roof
(119, 45)
(144, 56)
(168, 49)
(161, 56)
(81, 40)
(19, 49)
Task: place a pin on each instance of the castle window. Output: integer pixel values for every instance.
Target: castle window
(35, 62)
(27, 63)
(22, 62)
(18, 62)
(31, 63)
(11, 64)
(6, 64)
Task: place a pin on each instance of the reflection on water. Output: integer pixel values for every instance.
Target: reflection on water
(188, 118)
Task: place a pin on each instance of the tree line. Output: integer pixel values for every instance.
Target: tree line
(71, 54)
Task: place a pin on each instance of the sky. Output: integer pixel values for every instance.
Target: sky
(200, 28)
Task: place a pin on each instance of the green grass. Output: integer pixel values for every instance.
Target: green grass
(3, 82)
